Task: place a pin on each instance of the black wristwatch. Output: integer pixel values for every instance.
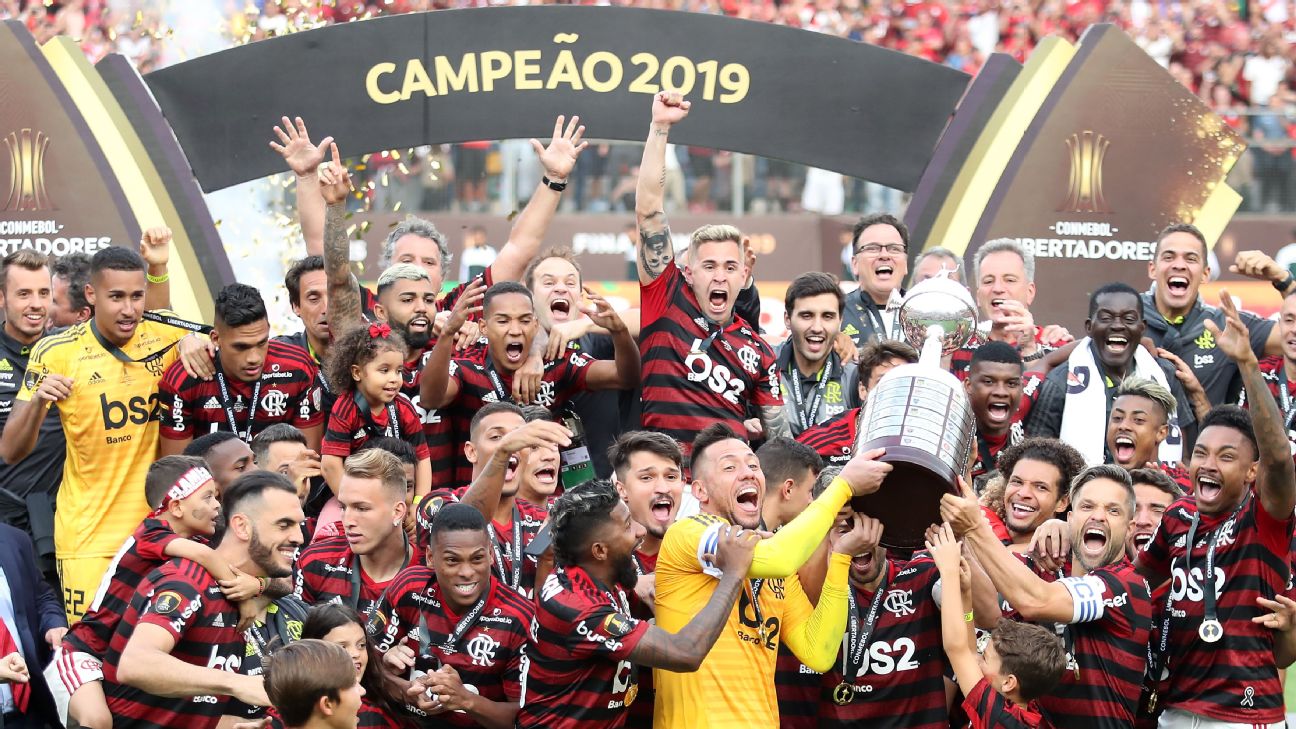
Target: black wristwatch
(555, 186)
(1285, 284)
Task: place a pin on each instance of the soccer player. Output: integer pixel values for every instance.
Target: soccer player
(1176, 316)
(879, 262)
(257, 382)
(1154, 492)
(355, 568)
(312, 685)
(1075, 400)
(1037, 472)
(834, 439)
(701, 364)
(104, 375)
(1021, 663)
(790, 470)
(736, 682)
(226, 455)
(1102, 606)
(458, 626)
(1001, 396)
(1280, 372)
(1220, 664)
(815, 380)
(586, 642)
(175, 655)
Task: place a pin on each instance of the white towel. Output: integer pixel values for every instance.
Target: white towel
(1084, 417)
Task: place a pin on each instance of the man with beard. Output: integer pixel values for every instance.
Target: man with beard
(1001, 396)
(1004, 281)
(648, 470)
(834, 439)
(460, 387)
(355, 567)
(500, 440)
(458, 626)
(257, 382)
(1280, 372)
(1176, 316)
(1102, 608)
(1075, 401)
(1219, 664)
(308, 297)
(174, 657)
(554, 278)
(585, 642)
(879, 262)
(736, 681)
(815, 380)
(701, 363)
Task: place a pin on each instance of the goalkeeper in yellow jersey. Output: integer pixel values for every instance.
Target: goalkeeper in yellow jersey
(734, 687)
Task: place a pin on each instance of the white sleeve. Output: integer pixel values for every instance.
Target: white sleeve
(1087, 596)
(707, 545)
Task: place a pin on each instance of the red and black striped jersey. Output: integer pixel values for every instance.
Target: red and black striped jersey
(641, 709)
(686, 389)
(580, 650)
(988, 709)
(1271, 370)
(902, 680)
(349, 429)
(1234, 679)
(289, 393)
(834, 438)
(490, 656)
(141, 553)
(988, 446)
(185, 600)
(326, 571)
(1108, 639)
(563, 379)
(531, 518)
(797, 687)
(438, 430)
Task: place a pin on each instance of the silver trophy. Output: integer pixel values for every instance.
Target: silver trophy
(921, 415)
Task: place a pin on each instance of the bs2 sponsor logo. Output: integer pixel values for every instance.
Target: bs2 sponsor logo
(135, 411)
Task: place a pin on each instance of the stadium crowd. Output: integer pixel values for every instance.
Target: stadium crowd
(512, 506)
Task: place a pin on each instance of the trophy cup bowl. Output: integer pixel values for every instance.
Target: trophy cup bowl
(921, 415)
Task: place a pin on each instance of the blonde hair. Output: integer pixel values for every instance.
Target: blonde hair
(375, 463)
(714, 234)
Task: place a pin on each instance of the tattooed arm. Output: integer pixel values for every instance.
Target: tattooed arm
(774, 421)
(654, 245)
(1275, 480)
(343, 288)
(683, 652)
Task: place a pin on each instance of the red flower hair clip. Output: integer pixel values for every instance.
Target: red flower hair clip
(379, 330)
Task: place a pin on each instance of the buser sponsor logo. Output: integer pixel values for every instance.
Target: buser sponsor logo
(135, 411)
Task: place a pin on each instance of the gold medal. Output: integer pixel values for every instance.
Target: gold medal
(1152, 702)
(631, 693)
(843, 694)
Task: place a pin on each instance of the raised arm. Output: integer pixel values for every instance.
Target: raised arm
(683, 652)
(484, 492)
(343, 288)
(1275, 480)
(622, 372)
(155, 248)
(956, 610)
(303, 159)
(437, 388)
(814, 636)
(654, 243)
(558, 160)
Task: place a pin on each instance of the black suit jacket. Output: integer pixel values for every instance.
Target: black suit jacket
(36, 610)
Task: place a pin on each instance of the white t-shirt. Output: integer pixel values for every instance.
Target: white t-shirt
(1264, 74)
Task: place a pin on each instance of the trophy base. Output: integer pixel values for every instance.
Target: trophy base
(908, 501)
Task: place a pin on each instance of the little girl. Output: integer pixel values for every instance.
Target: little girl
(364, 369)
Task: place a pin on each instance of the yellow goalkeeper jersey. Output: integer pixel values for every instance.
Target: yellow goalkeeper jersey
(111, 424)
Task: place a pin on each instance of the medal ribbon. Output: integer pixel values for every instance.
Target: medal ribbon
(513, 579)
(229, 407)
(809, 417)
(860, 632)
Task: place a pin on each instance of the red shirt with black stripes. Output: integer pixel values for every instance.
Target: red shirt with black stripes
(834, 438)
(325, 572)
(349, 429)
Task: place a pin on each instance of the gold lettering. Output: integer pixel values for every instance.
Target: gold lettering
(449, 80)
(495, 66)
(526, 70)
(591, 65)
(371, 84)
(416, 79)
(564, 72)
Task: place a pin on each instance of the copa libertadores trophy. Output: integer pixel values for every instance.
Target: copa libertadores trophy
(921, 415)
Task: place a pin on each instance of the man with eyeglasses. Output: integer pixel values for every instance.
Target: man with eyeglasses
(879, 263)
(1075, 401)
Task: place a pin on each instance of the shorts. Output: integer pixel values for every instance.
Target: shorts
(68, 672)
(81, 577)
(1176, 719)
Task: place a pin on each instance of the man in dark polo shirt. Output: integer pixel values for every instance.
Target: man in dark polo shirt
(27, 486)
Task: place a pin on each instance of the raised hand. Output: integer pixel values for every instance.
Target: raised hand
(155, 246)
(864, 472)
(295, 147)
(602, 313)
(1258, 265)
(864, 535)
(537, 433)
(961, 511)
(559, 157)
(945, 550)
(1234, 340)
(468, 303)
(669, 107)
(335, 179)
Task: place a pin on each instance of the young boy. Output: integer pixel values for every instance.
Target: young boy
(1021, 661)
(185, 509)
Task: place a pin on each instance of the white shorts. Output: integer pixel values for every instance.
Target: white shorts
(69, 672)
(1177, 719)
